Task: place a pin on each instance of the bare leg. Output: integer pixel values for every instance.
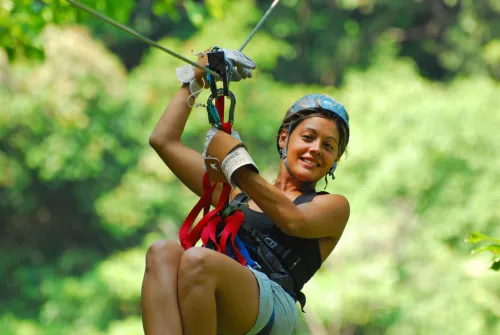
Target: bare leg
(160, 309)
(216, 294)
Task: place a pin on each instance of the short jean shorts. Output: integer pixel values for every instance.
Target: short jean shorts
(272, 296)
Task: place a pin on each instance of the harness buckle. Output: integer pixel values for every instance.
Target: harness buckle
(255, 267)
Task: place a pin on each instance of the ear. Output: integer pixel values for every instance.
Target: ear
(282, 138)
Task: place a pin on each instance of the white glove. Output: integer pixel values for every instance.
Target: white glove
(244, 65)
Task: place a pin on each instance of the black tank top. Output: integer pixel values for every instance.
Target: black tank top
(306, 248)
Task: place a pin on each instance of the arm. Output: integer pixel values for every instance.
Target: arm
(325, 216)
(184, 162)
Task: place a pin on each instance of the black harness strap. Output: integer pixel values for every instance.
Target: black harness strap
(280, 263)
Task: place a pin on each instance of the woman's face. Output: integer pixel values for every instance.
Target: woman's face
(312, 148)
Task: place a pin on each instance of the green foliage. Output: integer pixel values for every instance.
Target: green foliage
(445, 38)
(22, 21)
(82, 195)
(489, 244)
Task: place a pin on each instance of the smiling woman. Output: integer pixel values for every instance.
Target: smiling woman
(287, 232)
(336, 131)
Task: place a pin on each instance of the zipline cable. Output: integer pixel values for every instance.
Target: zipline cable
(140, 37)
(158, 46)
(275, 2)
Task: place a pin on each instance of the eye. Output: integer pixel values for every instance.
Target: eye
(329, 147)
(307, 138)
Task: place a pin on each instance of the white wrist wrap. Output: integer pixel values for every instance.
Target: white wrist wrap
(195, 88)
(234, 160)
(185, 73)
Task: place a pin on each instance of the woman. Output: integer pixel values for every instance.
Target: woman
(200, 291)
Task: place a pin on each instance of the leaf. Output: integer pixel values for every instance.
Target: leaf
(166, 7)
(494, 248)
(476, 237)
(495, 266)
(195, 13)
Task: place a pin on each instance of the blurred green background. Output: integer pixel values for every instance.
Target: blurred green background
(82, 195)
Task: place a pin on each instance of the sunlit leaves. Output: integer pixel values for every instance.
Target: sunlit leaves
(476, 237)
(488, 244)
(166, 7)
(195, 12)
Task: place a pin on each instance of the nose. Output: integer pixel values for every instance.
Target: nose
(315, 148)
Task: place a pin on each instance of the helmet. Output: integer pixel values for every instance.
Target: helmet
(316, 103)
(319, 102)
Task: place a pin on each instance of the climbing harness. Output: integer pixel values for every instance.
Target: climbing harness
(272, 251)
(230, 219)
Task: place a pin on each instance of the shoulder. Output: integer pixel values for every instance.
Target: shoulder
(326, 215)
(337, 200)
(336, 204)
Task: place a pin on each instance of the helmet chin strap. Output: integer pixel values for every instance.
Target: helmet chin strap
(287, 166)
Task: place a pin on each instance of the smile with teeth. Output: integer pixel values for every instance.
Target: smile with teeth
(309, 162)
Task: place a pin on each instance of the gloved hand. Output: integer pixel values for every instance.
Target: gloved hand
(196, 78)
(244, 65)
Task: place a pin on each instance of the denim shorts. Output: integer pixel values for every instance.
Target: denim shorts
(272, 296)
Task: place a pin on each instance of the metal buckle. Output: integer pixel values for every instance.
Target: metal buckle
(213, 115)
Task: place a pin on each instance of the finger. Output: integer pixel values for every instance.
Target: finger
(246, 61)
(241, 72)
(236, 76)
(244, 72)
(239, 58)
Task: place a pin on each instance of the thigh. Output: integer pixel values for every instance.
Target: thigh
(236, 289)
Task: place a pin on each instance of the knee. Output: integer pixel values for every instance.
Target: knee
(163, 254)
(194, 266)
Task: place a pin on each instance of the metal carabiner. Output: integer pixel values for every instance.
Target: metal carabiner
(213, 115)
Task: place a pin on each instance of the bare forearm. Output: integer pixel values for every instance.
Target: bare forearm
(171, 124)
(270, 200)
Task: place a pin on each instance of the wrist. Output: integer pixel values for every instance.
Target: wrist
(243, 174)
(224, 154)
(237, 160)
(186, 75)
(195, 88)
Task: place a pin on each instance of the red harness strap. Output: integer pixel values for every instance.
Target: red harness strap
(206, 229)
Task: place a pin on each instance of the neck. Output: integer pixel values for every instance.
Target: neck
(287, 183)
